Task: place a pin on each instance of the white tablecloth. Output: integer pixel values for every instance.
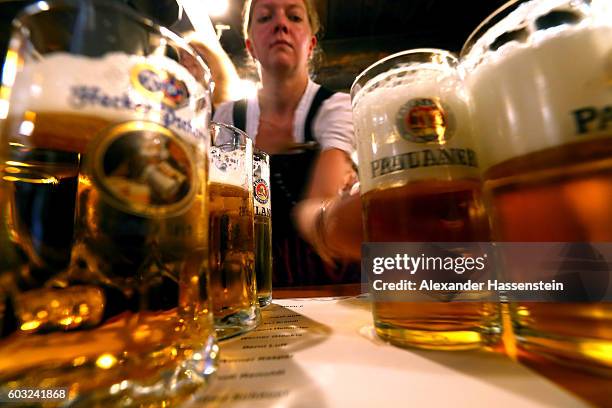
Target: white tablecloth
(324, 353)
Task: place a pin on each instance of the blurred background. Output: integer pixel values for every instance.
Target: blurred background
(355, 34)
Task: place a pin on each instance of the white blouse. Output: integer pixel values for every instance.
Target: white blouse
(332, 125)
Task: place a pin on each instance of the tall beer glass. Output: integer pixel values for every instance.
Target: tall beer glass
(420, 183)
(104, 144)
(232, 244)
(539, 74)
(263, 226)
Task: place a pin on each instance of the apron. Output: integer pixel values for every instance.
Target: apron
(295, 262)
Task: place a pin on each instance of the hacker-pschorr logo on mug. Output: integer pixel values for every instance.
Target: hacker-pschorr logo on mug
(159, 85)
(425, 120)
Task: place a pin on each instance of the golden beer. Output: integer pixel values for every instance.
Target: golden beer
(431, 211)
(263, 226)
(124, 281)
(263, 259)
(232, 240)
(105, 216)
(420, 183)
(566, 200)
(232, 259)
(427, 211)
(546, 191)
(40, 200)
(545, 136)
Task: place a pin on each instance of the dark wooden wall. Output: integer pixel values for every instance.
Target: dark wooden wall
(357, 33)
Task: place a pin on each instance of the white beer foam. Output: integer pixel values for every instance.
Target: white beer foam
(524, 93)
(599, 13)
(228, 167)
(411, 74)
(46, 86)
(375, 113)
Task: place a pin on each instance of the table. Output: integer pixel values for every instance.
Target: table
(321, 351)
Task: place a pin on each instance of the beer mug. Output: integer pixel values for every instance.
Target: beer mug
(232, 243)
(420, 183)
(263, 226)
(104, 224)
(539, 74)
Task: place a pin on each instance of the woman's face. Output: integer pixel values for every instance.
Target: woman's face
(280, 37)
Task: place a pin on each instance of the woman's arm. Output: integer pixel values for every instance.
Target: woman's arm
(332, 226)
(330, 218)
(333, 173)
(222, 68)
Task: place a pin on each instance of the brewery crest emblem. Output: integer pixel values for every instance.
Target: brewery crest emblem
(144, 169)
(159, 85)
(261, 191)
(425, 120)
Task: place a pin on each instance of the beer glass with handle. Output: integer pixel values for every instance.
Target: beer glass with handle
(232, 244)
(263, 226)
(104, 222)
(539, 73)
(420, 182)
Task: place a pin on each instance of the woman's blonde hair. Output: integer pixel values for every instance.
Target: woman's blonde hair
(311, 11)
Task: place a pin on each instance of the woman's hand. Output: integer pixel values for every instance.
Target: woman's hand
(332, 226)
(222, 68)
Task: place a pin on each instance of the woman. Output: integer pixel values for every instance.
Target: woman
(291, 110)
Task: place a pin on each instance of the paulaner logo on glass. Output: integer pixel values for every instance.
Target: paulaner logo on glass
(412, 264)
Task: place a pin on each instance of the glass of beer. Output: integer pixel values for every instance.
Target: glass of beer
(263, 226)
(539, 73)
(420, 182)
(104, 217)
(232, 243)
